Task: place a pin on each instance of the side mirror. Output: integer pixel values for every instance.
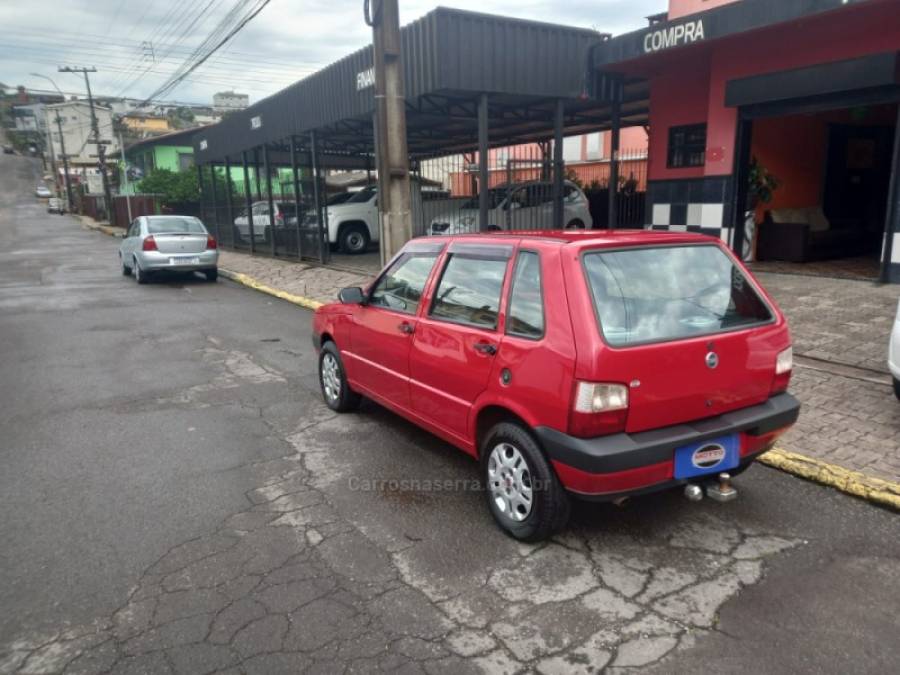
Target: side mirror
(352, 295)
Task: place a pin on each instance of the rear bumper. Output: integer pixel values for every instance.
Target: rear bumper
(620, 464)
(154, 261)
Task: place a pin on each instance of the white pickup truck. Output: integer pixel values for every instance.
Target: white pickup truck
(353, 224)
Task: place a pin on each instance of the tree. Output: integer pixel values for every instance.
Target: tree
(174, 187)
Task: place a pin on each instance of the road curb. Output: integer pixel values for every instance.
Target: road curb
(876, 490)
(250, 282)
(105, 229)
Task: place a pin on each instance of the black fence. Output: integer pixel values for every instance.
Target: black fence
(260, 203)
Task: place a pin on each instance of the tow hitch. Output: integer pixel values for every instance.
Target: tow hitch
(720, 490)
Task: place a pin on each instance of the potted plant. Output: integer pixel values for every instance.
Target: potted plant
(760, 186)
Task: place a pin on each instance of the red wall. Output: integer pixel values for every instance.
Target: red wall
(679, 8)
(689, 86)
(794, 150)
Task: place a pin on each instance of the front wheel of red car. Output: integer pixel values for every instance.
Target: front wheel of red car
(524, 495)
(335, 390)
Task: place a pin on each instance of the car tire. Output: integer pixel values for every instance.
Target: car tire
(509, 448)
(140, 275)
(354, 239)
(576, 224)
(126, 270)
(897, 388)
(211, 275)
(333, 381)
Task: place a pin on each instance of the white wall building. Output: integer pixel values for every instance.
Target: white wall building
(75, 119)
(30, 117)
(230, 100)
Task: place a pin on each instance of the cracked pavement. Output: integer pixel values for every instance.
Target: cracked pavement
(177, 499)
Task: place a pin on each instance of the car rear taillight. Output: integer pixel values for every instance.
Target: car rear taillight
(598, 409)
(149, 244)
(211, 242)
(784, 364)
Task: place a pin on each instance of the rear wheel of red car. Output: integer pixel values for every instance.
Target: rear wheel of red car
(335, 390)
(897, 388)
(523, 493)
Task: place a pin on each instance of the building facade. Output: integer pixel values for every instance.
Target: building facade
(171, 151)
(77, 135)
(805, 93)
(146, 125)
(224, 101)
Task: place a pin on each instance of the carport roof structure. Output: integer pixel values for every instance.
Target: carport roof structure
(451, 59)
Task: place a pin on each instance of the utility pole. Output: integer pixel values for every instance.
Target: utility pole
(101, 149)
(395, 215)
(125, 174)
(62, 151)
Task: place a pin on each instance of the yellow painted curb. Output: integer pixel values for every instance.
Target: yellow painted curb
(105, 229)
(852, 482)
(250, 282)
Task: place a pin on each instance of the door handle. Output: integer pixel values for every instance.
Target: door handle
(407, 328)
(485, 348)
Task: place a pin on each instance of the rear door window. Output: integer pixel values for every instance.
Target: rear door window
(670, 293)
(526, 304)
(469, 291)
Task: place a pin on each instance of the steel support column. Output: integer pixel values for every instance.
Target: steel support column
(249, 200)
(202, 191)
(615, 121)
(271, 201)
(321, 211)
(558, 123)
(296, 179)
(215, 199)
(229, 198)
(738, 209)
(483, 175)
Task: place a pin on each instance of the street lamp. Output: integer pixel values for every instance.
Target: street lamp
(62, 143)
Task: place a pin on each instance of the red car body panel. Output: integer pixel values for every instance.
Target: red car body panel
(431, 372)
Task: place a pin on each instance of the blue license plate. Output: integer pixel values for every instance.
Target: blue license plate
(710, 456)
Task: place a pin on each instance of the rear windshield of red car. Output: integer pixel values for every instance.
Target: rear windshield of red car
(670, 293)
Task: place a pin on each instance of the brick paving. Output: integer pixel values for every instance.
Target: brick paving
(840, 327)
(308, 280)
(837, 320)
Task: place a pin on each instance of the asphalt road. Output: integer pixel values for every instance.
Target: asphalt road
(174, 497)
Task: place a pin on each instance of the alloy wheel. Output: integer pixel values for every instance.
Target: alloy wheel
(331, 377)
(510, 482)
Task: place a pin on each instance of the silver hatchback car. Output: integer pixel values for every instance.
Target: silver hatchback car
(168, 244)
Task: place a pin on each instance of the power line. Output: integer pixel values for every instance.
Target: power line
(173, 82)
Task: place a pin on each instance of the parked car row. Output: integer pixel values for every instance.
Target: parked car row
(517, 207)
(597, 365)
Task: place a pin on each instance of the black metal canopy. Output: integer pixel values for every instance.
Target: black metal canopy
(450, 57)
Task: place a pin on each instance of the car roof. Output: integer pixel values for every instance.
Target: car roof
(594, 238)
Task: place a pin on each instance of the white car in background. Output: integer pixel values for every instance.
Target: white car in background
(285, 216)
(522, 206)
(894, 353)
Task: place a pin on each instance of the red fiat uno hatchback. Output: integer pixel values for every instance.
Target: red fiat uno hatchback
(596, 364)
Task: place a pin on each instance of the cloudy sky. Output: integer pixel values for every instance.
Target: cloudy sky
(138, 46)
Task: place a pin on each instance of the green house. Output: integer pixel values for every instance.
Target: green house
(173, 151)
